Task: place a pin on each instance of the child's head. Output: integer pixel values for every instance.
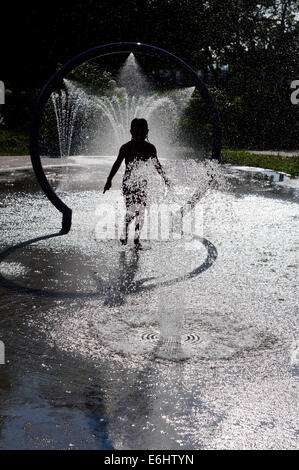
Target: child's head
(139, 128)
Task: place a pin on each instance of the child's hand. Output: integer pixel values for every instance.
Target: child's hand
(168, 187)
(168, 184)
(107, 186)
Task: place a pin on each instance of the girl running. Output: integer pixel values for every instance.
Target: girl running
(134, 186)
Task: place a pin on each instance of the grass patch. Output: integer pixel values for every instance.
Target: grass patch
(289, 165)
(13, 143)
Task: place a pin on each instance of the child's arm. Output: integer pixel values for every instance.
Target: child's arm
(159, 168)
(114, 169)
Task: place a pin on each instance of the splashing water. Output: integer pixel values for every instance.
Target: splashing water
(102, 123)
(67, 105)
(147, 355)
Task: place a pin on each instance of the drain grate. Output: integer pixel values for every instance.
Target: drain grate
(190, 338)
(150, 336)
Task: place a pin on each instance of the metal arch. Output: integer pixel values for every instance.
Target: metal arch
(93, 53)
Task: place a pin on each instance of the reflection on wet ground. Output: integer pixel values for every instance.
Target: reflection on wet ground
(183, 345)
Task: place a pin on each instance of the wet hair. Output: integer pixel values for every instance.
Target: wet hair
(139, 123)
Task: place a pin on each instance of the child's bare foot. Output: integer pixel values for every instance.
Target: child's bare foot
(123, 240)
(137, 243)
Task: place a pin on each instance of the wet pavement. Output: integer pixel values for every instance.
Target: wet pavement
(187, 344)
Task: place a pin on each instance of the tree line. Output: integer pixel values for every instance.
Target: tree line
(256, 41)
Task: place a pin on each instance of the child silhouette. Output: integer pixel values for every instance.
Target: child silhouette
(134, 185)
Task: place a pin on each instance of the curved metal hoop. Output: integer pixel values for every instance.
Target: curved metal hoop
(90, 54)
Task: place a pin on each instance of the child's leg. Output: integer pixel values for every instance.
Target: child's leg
(130, 214)
(139, 222)
(141, 203)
